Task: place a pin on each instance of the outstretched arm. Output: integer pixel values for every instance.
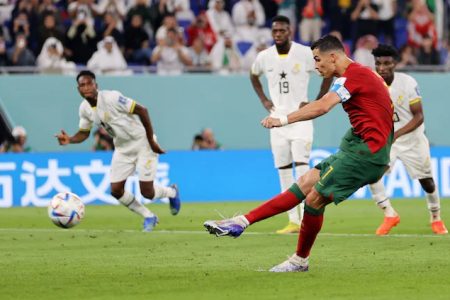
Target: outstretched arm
(142, 112)
(307, 112)
(79, 137)
(416, 121)
(257, 86)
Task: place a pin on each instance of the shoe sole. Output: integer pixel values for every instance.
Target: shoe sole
(214, 229)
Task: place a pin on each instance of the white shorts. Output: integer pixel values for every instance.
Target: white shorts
(415, 155)
(287, 150)
(144, 161)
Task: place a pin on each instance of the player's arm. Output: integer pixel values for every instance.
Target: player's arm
(142, 112)
(311, 111)
(79, 137)
(417, 119)
(257, 86)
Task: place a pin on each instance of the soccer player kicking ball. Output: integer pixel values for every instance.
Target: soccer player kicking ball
(362, 159)
(410, 143)
(135, 146)
(287, 66)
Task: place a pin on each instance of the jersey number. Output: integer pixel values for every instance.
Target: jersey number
(284, 87)
(108, 129)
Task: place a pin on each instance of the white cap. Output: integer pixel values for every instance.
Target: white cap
(19, 131)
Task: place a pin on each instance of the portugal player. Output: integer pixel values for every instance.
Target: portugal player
(362, 159)
(410, 143)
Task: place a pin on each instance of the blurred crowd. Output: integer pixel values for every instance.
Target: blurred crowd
(176, 36)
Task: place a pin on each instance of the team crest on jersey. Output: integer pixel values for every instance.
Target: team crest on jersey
(400, 100)
(296, 68)
(123, 100)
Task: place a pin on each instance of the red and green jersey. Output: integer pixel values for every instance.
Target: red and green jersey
(365, 98)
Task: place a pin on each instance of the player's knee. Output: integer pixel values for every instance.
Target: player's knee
(117, 192)
(148, 192)
(315, 200)
(307, 181)
(428, 185)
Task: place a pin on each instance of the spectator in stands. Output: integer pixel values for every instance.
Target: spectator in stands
(310, 27)
(81, 38)
(20, 55)
(407, 57)
(169, 21)
(47, 7)
(243, 8)
(199, 56)
(116, 8)
(420, 25)
(19, 144)
(180, 8)
(428, 55)
(198, 143)
(365, 18)
(110, 27)
(249, 57)
(338, 13)
(26, 12)
(48, 28)
(103, 141)
(363, 52)
(171, 56)
(225, 57)
(108, 59)
(142, 8)
(209, 140)
(386, 20)
(137, 49)
(51, 59)
(250, 31)
(84, 10)
(21, 25)
(201, 28)
(219, 18)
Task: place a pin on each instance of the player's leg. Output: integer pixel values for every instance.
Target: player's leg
(434, 205)
(418, 164)
(280, 203)
(391, 217)
(146, 166)
(283, 157)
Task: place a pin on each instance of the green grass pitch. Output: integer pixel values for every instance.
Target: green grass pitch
(108, 257)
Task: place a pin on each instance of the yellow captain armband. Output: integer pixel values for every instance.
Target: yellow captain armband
(414, 101)
(133, 105)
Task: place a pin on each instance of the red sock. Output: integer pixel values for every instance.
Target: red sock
(311, 225)
(280, 203)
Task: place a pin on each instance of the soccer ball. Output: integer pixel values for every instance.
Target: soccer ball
(66, 210)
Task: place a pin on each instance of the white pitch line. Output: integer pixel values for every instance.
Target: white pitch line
(56, 230)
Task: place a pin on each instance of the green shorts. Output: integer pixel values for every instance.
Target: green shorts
(353, 167)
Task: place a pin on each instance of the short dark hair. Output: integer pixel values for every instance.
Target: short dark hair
(385, 50)
(282, 19)
(327, 43)
(86, 73)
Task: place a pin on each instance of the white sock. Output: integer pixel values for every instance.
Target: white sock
(383, 202)
(132, 204)
(164, 191)
(241, 220)
(434, 206)
(300, 171)
(286, 181)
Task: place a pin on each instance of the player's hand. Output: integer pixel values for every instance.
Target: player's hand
(63, 138)
(270, 122)
(156, 148)
(268, 105)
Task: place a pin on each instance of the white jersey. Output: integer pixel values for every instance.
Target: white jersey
(114, 113)
(404, 92)
(288, 79)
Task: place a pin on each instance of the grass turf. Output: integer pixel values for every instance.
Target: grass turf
(108, 257)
